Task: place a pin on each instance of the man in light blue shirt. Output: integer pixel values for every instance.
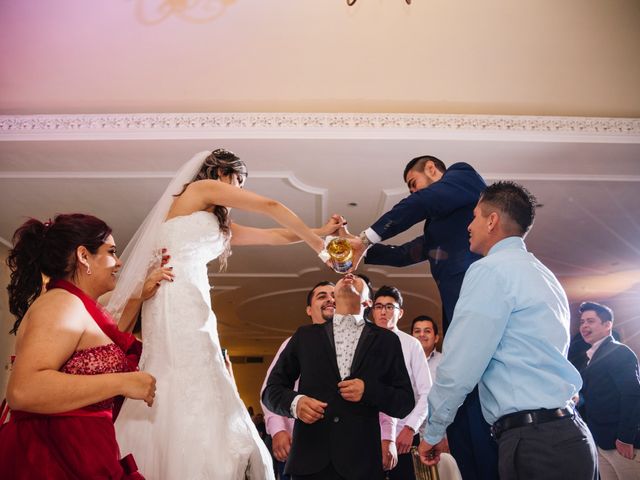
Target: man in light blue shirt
(510, 334)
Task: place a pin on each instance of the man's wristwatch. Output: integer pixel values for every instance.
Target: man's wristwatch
(364, 239)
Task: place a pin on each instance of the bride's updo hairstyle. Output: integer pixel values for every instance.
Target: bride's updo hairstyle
(49, 249)
(221, 163)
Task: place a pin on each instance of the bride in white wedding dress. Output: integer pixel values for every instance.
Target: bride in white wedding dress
(198, 427)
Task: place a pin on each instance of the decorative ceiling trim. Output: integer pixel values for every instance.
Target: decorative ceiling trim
(272, 293)
(86, 175)
(299, 274)
(143, 126)
(288, 176)
(380, 271)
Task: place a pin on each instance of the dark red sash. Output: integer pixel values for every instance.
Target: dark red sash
(128, 343)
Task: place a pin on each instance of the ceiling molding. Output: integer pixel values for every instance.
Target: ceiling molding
(86, 175)
(295, 182)
(381, 271)
(145, 126)
(272, 293)
(299, 274)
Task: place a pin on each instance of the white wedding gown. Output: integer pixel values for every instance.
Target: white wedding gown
(198, 428)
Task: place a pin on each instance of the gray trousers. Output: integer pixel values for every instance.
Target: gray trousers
(558, 450)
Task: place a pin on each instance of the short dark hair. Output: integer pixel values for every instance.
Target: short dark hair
(425, 318)
(317, 285)
(419, 162)
(514, 200)
(605, 314)
(367, 282)
(388, 291)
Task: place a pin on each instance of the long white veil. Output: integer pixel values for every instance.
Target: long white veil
(141, 253)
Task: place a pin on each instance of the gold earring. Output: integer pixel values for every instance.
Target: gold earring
(88, 270)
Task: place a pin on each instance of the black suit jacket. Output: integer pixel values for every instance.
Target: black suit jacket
(446, 207)
(611, 393)
(349, 434)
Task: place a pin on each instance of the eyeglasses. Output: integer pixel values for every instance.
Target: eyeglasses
(389, 307)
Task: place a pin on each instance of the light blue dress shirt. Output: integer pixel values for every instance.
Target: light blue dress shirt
(510, 335)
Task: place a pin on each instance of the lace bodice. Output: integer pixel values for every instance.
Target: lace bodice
(96, 360)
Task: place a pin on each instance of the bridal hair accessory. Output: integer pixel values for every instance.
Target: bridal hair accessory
(141, 253)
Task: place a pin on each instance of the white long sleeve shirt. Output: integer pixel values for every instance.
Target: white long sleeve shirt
(434, 360)
(276, 423)
(421, 382)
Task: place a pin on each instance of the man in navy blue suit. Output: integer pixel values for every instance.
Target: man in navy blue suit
(611, 393)
(444, 199)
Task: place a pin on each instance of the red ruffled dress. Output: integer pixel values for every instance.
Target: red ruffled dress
(80, 444)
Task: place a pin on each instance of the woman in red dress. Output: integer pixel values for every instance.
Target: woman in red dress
(73, 366)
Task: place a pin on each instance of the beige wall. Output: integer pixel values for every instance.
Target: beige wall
(249, 378)
(6, 322)
(536, 57)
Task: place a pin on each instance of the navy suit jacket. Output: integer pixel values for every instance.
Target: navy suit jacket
(446, 207)
(348, 436)
(611, 393)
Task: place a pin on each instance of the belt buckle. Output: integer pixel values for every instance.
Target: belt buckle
(495, 432)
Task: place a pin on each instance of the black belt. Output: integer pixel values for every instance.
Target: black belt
(528, 417)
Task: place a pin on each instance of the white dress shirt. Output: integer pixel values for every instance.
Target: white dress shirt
(434, 360)
(591, 352)
(418, 368)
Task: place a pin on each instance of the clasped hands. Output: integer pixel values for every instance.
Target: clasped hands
(337, 226)
(309, 410)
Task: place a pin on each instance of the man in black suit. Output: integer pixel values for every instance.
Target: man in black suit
(611, 394)
(349, 370)
(444, 198)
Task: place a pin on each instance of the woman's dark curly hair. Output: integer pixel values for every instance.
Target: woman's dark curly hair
(221, 163)
(48, 249)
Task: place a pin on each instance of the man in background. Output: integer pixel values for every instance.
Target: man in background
(611, 395)
(399, 435)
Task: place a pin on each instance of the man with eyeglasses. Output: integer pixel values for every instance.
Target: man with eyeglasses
(399, 435)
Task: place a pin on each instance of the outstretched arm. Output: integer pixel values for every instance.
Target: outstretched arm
(243, 235)
(209, 193)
